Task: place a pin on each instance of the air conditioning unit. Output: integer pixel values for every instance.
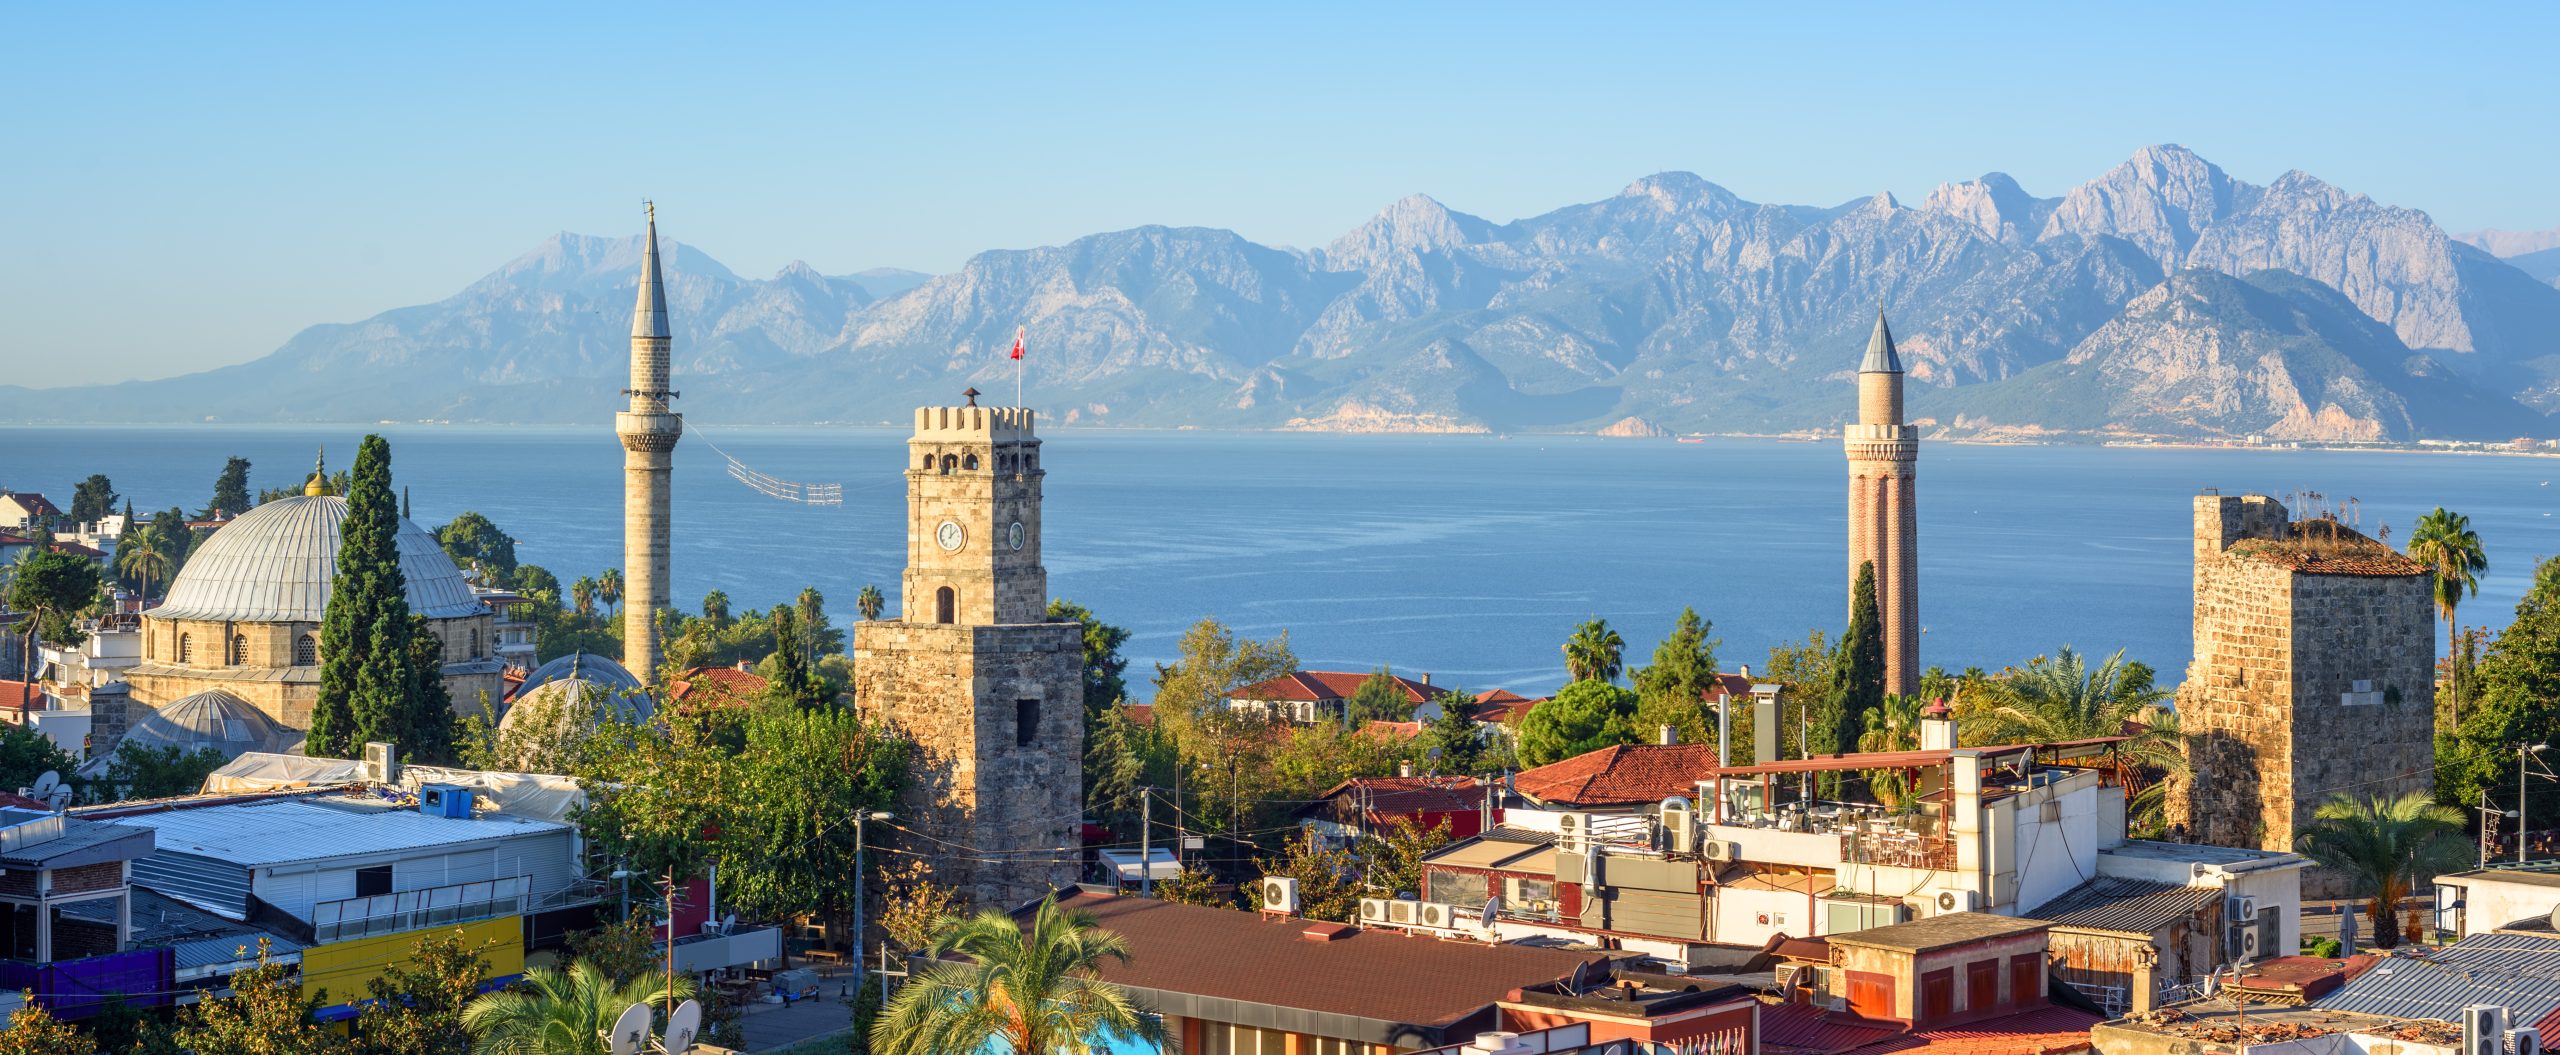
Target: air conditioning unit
(1400, 912)
(1573, 832)
(2525, 1041)
(2249, 945)
(2244, 909)
(1434, 916)
(380, 766)
(1280, 895)
(2484, 1028)
(1373, 910)
(1679, 825)
(1955, 901)
(1718, 850)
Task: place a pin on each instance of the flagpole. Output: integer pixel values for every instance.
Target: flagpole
(1018, 333)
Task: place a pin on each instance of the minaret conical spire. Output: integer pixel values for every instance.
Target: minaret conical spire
(1881, 358)
(649, 315)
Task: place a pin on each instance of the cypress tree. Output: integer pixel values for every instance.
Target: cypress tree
(366, 668)
(1858, 673)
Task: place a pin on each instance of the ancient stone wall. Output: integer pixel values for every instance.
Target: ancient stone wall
(996, 712)
(2304, 684)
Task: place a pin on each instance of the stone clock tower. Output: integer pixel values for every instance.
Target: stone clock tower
(991, 692)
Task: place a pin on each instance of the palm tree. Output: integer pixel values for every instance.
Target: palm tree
(2386, 845)
(1038, 990)
(582, 593)
(555, 1012)
(715, 607)
(1594, 652)
(143, 553)
(1895, 726)
(2445, 543)
(869, 602)
(609, 588)
(2060, 698)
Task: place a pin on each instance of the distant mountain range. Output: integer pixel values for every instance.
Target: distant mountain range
(2163, 298)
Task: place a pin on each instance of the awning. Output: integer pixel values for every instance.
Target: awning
(1160, 864)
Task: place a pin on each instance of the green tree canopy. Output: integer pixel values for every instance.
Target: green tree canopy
(93, 500)
(1585, 716)
(230, 490)
(2518, 682)
(556, 1012)
(1103, 664)
(1857, 687)
(1454, 742)
(1672, 691)
(870, 602)
(1379, 698)
(367, 667)
(53, 586)
(474, 542)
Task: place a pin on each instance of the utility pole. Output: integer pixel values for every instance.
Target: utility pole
(858, 877)
(671, 942)
(1146, 847)
(2523, 845)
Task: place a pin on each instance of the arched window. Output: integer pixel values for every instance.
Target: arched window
(946, 606)
(239, 651)
(949, 463)
(186, 648)
(970, 462)
(306, 650)
(1030, 462)
(928, 463)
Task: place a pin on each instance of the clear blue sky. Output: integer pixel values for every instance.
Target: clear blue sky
(189, 186)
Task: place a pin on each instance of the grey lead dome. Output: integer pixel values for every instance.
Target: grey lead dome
(275, 563)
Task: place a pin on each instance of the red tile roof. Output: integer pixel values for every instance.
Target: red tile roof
(1623, 775)
(1391, 732)
(1806, 1028)
(2037, 1031)
(57, 546)
(718, 685)
(1317, 685)
(1378, 975)
(1409, 794)
(1729, 686)
(1503, 705)
(35, 504)
(1140, 713)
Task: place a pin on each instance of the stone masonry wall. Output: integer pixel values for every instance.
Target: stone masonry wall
(2270, 703)
(1014, 809)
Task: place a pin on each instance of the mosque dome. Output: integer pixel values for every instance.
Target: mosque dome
(601, 671)
(209, 719)
(274, 564)
(573, 703)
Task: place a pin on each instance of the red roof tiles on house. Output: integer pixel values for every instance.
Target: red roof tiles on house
(1503, 705)
(1311, 686)
(718, 685)
(1623, 775)
(1390, 795)
(1253, 958)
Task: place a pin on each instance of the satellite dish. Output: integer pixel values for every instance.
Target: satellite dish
(2555, 919)
(630, 1031)
(682, 1027)
(60, 798)
(45, 785)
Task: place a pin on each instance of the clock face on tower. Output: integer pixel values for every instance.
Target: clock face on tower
(950, 536)
(1015, 535)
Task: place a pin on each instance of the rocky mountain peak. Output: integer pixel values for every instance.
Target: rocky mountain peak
(1417, 223)
(1683, 192)
(1994, 203)
(2160, 199)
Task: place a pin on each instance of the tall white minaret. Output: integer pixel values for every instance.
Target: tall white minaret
(649, 431)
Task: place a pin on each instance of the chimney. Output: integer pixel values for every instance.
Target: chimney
(1404, 768)
(746, 666)
(1426, 679)
(1937, 726)
(1666, 734)
(1746, 672)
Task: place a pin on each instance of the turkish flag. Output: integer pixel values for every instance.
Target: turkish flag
(1017, 341)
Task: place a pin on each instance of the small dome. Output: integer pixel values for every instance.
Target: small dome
(576, 702)
(585, 666)
(212, 718)
(274, 564)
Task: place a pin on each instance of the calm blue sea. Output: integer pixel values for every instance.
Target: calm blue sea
(1466, 557)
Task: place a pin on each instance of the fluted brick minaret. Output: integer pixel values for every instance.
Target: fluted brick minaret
(1883, 459)
(649, 430)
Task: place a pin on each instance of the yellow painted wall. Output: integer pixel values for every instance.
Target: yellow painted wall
(343, 969)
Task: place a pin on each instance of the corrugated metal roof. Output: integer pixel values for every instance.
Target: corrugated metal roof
(274, 564)
(2521, 971)
(261, 834)
(206, 952)
(2125, 906)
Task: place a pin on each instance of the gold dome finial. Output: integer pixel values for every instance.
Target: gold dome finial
(318, 485)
